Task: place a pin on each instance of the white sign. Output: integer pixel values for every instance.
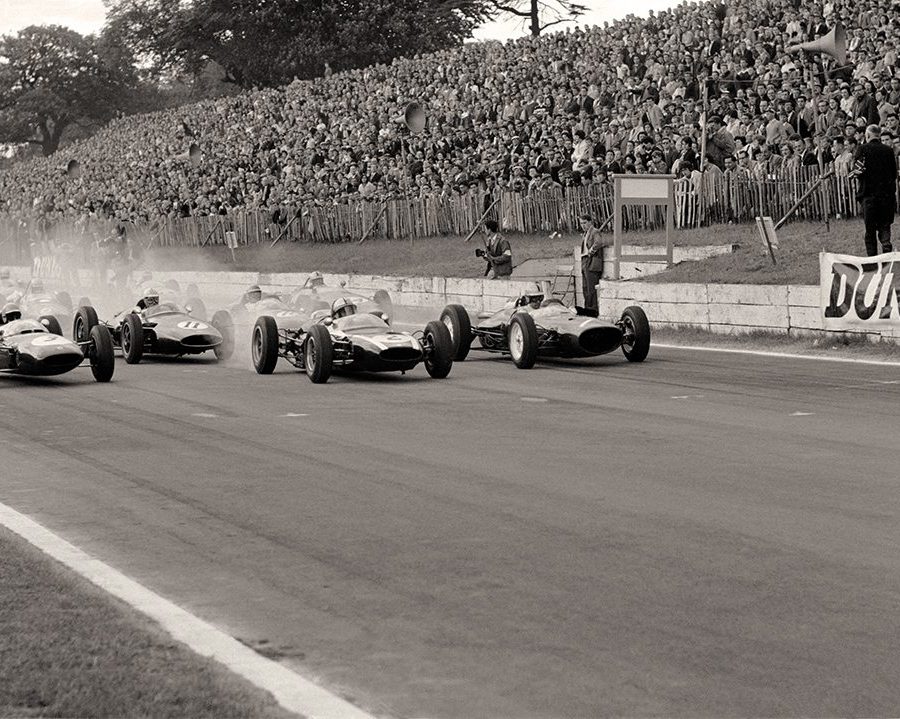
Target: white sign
(861, 293)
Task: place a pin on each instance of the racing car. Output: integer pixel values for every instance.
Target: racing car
(314, 295)
(346, 340)
(28, 347)
(534, 325)
(240, 316)
(54, 309)
(161, 328)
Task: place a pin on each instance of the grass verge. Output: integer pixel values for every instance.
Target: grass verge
(69, 649)
(436, 256)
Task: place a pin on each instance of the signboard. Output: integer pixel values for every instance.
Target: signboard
(642, 190)
(860, 293)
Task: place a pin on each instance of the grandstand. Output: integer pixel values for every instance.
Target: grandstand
(552, 116)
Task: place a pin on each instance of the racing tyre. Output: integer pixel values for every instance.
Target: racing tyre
(523, 340)
(65, 299)
(85, 321)
(198, 309)
(132, 338)
(222, 321)
(439, 355)
(636, 334)
(85, 302)
(264, 345)
(458, 324)
(103, 360)
(318, 354)
(51, 323)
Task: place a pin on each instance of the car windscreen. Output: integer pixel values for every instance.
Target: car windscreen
(363, 321)
(164, 308)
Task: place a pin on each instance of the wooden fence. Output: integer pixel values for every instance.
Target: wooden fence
(715, 199)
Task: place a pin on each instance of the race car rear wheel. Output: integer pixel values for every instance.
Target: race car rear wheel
(636, 334)
(382, 298)
(457, 322)
(51, 323)
(318, 354)
(264, 345)
(85, 321)
(65, 299)
(198, 309)
(438, 350)
(131, 334)
(523, 340)
(85, 302)
(222, 321)
(102, 358)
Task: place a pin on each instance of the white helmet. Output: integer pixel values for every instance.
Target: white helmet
(150, 297)
(342, 307)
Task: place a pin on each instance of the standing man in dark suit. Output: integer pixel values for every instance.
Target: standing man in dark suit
(876, 171)
(591, 261)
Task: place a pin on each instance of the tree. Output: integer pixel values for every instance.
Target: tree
(540, 14)
(269, 42)
(52, 78)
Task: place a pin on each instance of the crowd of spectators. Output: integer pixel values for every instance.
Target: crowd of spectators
(535, 114)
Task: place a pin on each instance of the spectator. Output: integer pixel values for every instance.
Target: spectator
(876, 167)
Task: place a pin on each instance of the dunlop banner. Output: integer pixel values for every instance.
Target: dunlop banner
(860, 293)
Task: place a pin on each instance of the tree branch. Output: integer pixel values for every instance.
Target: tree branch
(511, 9)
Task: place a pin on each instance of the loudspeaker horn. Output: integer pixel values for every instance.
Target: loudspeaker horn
(414, 117)
(193, 155)
(833, 44)
(73, 169)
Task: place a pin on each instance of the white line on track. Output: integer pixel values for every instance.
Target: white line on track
(781, 355)
(203, 414)
(292, 691)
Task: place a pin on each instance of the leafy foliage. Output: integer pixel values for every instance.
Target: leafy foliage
(52, 78)
(270, 42)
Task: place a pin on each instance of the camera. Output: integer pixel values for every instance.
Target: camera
(479, 252)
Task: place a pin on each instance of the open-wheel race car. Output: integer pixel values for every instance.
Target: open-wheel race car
(238, 318)
(54, 310)
(315, 295)
(535, 325)
(362, 342)
(161, 328)
(28, 347)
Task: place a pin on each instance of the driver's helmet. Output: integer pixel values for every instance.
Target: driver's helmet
(342, 307)
(253, 294)
(9, 313)
(315, 279)
(37, 287)
(150, 297)
(145, 277)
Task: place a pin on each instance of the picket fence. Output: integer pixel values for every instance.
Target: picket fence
(720, 198)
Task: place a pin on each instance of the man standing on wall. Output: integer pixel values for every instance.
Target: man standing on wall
(591, 261)
(876, 172)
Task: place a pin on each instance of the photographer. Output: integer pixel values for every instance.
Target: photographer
(496, 252)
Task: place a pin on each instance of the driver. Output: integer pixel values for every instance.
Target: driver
(150, 299)
(342, 307)
(9, 313)
(315, 279)
(533, 301)
(252, 295)
(37, 287)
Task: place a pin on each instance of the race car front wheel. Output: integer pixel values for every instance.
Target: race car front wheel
(132, 336)
(318, 354)
(264, 345)
(222, 321)
(456, 320)
(85, 321)
(523, 340)
(103, 361)
(438, 350)
(635, 334)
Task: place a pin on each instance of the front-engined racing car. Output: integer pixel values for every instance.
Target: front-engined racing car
(28, 347)
(536, 325)
(161, 328)
(361, 342)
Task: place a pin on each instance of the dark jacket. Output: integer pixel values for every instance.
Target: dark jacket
(877, 167)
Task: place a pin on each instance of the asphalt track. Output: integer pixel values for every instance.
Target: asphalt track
(704, 534)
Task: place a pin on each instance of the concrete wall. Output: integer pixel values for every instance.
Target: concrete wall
(781, 309)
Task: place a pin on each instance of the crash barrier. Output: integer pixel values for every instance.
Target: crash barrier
(475, 294)
(793, 310)
(715, 198)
